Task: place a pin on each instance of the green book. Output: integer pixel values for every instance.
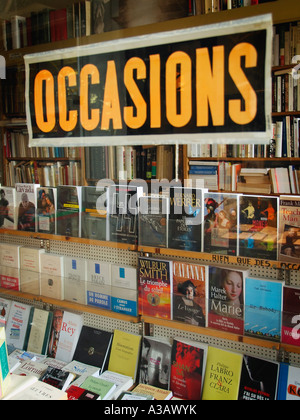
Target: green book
(101, 387)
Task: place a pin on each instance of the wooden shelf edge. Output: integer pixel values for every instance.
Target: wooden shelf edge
(72, 306)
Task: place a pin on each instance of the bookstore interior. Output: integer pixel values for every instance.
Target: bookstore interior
(150, 200)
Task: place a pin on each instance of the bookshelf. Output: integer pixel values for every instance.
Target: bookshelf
(283, 11)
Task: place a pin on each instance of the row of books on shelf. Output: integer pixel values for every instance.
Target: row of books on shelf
(202, 7)
(78, 362)
(286, 43)
(285, 91)
(211, 296)
(188, 219)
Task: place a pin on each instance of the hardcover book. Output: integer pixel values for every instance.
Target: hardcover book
(189, 293)
(259, 223)
(8, 216)
(263, 308)
(155, 362)
(289, 229)
(259, 379)
(222, 375)
(226, 304)
(290, 332)
(69, 211)
(153, 221)
(221, 223)
(93, 347)
(99, 284)
(26, 206)
(94, 213)
(38, 331)
(123, 213)
(186, 218)
(155, 285)
(46, 210)
(188, 362)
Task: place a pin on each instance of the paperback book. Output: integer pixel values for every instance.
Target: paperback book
(57, 378)
(46, 210)
(263, 308)
(189, 293)
(153, 221)
(69, 211)
(186, 218)
(4, 365)
(155, 285)
(289, 383)
(259, 223)
(221, 223)
(75, 279)
(17, 323)
(26, 203)
(290, 333)
(289, 229)
(38, 331)
(188, 364)
(8, 216)
(225, 291)
(99, 284)
(69, 334)
(94, 213)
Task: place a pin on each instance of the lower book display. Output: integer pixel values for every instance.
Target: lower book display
(118, 365)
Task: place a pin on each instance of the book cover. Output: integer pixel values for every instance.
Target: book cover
(124, 301)
(75, 280)
(30, 258)
(94, 213)
(93, 347)
(4, 365)
(28, 368)
(10, 255)
(189, 293)
(155, 285)
(221, 223)
(288, 383)
(155, 362)
(26, 206)
(123, 213)
(158, 394)
(40, 391)
(52, 286)
(188, 361)
(75, 393)
(17, 324)
(259, 223)
(123, 382)
(125, 353)
(5, 305)
(153, 221)
(30, 282)
(124, 276)
(259, 379)
(222, 376)
(8, 219)
(263, 308)
(186, 218)
(10, 278)
(98, 284)
(69, 335)
(290, 332)
(99, 386)
(38, 331)
(46, 210)
(289, 229)
(69, 211)
(226, 304)
(57, 378)
(55, 332)
(52, 264)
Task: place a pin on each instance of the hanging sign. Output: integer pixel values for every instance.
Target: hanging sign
(209, 84)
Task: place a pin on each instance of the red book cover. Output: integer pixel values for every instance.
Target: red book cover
(155, 281)
(188, 361)
(75, 393)
(290, 333)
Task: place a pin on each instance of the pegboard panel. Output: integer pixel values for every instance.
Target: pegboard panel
(20, 240)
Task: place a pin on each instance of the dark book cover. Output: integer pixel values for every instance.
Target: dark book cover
(69, 211)
(259, 379)
(258, 235)
(186, 218)
(290, 332)
(153, 221)
(93, 347)
(94, 213)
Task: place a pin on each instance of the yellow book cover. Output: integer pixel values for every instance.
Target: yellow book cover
(222, 376)
(125, 352)
(157, 393)
(4, 366)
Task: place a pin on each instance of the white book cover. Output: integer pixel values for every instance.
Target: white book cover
(124, 301)
(80, 368)
(123, 382)
(52, 264)
(52, 286)
(10, 255)
(69, 335)
(30, 258)
(75, 279)
(26, 206)
(124, 276)
(30, 282)
(17, 324)
(99, 284)
(8, 218)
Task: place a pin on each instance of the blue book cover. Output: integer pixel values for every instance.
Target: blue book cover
(263, 309)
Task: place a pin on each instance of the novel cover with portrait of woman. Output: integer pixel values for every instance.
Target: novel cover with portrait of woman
(226, 299)
(221, 223)
(189, 293)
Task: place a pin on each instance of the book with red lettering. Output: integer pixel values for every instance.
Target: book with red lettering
(75, 393)
(188, 362)
(225, 295)
(71, 326)
(290, 329)
(155, 285)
